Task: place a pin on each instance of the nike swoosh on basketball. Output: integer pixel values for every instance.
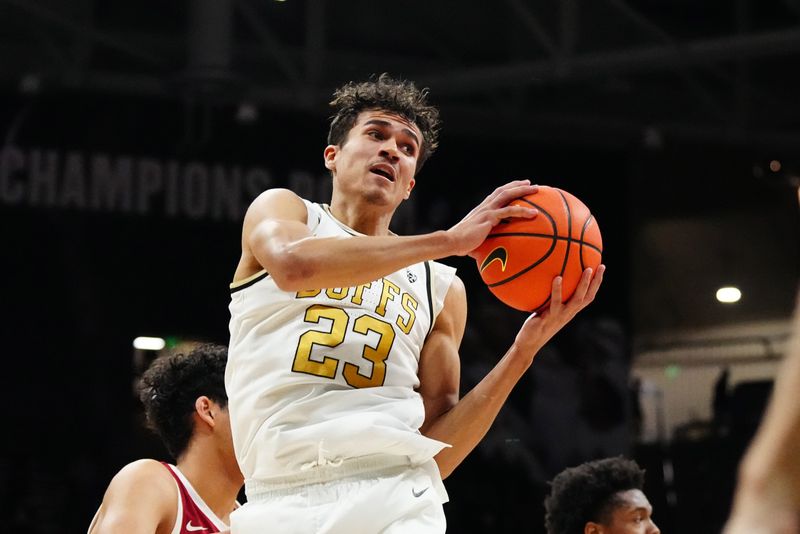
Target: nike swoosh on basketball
(500, 254)
(419, 493)
(192, 528)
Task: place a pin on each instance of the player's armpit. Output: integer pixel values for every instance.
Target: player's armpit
(440, 375)
(141, 499)
(439, 363)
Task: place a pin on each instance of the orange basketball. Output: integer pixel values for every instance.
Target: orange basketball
(520, 257)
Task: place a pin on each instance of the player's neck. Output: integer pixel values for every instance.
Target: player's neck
(216, 481)
(362, 217)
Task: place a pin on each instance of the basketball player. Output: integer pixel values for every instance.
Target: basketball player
(767, 498)
(344, 369)
(185, 403)
(599, 497)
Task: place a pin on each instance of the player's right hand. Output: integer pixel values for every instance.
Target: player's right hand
(469, 233)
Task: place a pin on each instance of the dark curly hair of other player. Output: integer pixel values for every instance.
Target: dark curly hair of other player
(170, 386)
(385, 93)
(588, 493)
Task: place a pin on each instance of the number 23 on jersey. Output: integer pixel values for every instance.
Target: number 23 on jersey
(340, 326)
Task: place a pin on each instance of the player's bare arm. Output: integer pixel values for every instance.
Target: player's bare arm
(440, 374)
(463, 423)
(767, 494)
(275, 237)
(140, 500)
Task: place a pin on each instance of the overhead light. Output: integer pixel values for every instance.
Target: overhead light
(148, 343)
(30, 84)
(246, 113)
(729, 294)
(652, 138)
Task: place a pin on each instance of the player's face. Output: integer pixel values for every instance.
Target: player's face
(378, 159)
(632, 515)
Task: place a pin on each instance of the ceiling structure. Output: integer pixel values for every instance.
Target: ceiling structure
(606, 73)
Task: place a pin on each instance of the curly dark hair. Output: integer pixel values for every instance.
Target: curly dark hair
(172, 384)
(588, 492)
(386, 94)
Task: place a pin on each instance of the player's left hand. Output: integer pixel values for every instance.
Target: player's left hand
(540, 327)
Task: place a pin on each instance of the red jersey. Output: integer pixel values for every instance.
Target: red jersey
(194, 516)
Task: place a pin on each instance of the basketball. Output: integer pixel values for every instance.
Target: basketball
(520, 257)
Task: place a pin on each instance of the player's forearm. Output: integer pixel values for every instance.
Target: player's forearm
(769, 475)
(469, 420)
(776, 448)
(314, 263)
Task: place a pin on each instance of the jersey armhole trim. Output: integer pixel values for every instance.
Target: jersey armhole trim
(429, 287)
(249, 281)
(176, 528)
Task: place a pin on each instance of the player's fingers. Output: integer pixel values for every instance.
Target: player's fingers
(596, 281)
(501, 190)
(524, 212)
(582, 288)
(491, 197)
(512, 193)
(512, 183)
(583, 297)
(556, 300)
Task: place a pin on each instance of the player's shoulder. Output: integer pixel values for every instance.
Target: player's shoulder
(277, 202)
(140, 496)
(278, 195)
(144, 476)
(144, 467)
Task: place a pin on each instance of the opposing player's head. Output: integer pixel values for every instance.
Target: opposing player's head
(600, 497)
(395, 97)
(184, 393)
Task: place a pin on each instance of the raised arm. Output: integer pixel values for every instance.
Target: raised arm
(275, 237)
(141, 499)
(463, 423)
(767, 498)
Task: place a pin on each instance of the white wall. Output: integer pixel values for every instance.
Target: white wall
(678, 376)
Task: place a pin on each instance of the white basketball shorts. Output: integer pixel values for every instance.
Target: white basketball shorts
(380, 495)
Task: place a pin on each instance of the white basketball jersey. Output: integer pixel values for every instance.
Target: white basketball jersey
(330, 374)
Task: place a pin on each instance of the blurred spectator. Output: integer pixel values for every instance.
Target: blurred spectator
(600, 497)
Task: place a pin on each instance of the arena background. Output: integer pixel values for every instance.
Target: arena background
(134, 134)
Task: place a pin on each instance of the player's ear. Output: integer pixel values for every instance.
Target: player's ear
(411, 184)
(330, 153)
(593, 528)
(205, 409)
